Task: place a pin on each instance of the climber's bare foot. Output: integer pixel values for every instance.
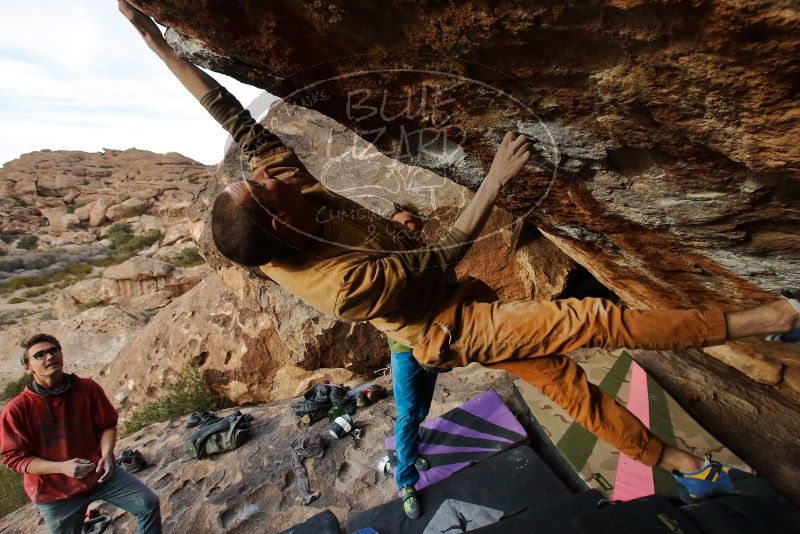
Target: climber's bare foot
(779, 316)
(672, 458)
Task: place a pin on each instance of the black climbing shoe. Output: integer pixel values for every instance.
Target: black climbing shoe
(422, 464)
(411, 504)
(131, 461)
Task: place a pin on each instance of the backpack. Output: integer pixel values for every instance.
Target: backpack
(217, 435)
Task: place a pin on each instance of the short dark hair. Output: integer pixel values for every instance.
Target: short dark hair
(400, 208)
(33, 340)
(238, 235)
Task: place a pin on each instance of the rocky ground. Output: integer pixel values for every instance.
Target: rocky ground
(252, 488)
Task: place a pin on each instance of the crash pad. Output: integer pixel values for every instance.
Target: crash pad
(653, 515)
(322, 523)
(503, 485)
(597, 463)
(478, 429)
(553, 519)
(744, 514)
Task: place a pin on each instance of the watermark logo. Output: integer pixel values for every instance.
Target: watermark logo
(406, 140)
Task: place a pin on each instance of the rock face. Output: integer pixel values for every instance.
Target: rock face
(139, 286)
(665, 135)
(246, 353)
(251, 489)
(672, 127)
(91, 340)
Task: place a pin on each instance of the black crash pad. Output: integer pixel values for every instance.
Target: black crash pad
(743, 514)
(322, 523)
(653, 515)
(505, 484)
(553, 519)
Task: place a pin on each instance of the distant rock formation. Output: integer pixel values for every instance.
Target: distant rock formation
(65, 205)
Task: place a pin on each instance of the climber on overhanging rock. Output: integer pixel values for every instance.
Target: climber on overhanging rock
(352, 264)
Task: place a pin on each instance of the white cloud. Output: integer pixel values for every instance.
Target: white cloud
(77, 76)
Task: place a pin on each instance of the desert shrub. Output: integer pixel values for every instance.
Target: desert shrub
(32, 280)
(6, 237)
(28, 242)
(35, 292)
(139, 210)
(187, 257)
(12, 496)
(64, 277)
(15, 387)
(16, 300)
(139, 242)
(125, 242)
(107, 261)
(188, 394)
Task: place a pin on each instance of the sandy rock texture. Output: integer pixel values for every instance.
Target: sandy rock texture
(252, 488)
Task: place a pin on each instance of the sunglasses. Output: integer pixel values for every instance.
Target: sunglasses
(52, 351)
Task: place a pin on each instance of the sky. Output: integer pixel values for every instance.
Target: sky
(76, 76)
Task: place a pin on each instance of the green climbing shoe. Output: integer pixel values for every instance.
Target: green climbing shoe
(411, 504)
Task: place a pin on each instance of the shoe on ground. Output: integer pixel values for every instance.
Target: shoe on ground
(131, 461)
(422, 464)
(712, 479)
(411, 504)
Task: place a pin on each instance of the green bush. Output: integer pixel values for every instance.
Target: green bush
(187, 257)
(139, 242)
(35, 292)
(32, 280)
(16, 300)
(188, 394)
(12, 496)
(123, 240)
(139, 210)
(66, 276)
(28, 242)
(15, 387)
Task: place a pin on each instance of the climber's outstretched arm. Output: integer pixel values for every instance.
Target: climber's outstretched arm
(195, 80)
(508, 162)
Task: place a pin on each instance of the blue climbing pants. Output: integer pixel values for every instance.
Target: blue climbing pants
(413, 392)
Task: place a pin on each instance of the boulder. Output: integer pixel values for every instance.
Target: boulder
(246, 354)
(138, 286)
(174, 233)
(151, 222)
(138, 268)
(132, 206)
(666, 167)
(84, 212)
(98, 214)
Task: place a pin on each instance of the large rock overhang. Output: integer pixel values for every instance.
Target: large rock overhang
(665, 135)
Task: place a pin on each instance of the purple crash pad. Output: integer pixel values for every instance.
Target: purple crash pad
(476, 430)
